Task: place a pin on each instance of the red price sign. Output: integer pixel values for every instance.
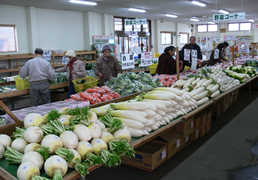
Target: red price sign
(147, 55)
(255, 26)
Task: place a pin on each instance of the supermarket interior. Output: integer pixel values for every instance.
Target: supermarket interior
(107, 89)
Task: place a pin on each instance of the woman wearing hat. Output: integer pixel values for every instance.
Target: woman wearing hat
(75, 69)
(107, 66)
(167, 64)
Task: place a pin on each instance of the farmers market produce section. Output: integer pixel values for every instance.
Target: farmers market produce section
(149, 115)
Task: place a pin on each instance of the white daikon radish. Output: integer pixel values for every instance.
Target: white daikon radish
(151, 118)
(169, 117)
(127, 114)
(171, 109)
(173, 103)
(130, 106)
(145, 132)
(160, 123)
(178, 98)
(200, 96)
(207, 83)
(33, 119)
(82, 132)
(107, 137)
(157, 104)
(33, 134)
(162, 113)
(152, 107)
(33, 157)
(159, 116)
(55, 166)
(146, 124)
(166, 119)
(216, 93)
(157, 124)
(142, 113)
(165, 103)
(1, 151)
(123, 134)
(196, 81)
(131, 123)
(202, 101)
(51, 141)
(154, 127)
(184, 111)
(150, 112)
(197, 91)
(5, 140)
(99, 111)
(148, 129)
(135, 132)
(214, 88)
(92, 117)
(159, 95)
(184, 103)
(173, 115)
(173, 90)
(19, 144)
(101, 125)
(28, 171)
(31, 147)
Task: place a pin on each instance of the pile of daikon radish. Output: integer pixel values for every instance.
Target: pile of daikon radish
(150, 110)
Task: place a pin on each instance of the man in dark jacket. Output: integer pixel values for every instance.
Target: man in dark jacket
(195, 46)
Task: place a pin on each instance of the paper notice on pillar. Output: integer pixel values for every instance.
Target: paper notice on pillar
(187, 54)
(194, 59)
(137, 50)
(127, 61)
(65, 60)
(47, 55)
(146, 59)
(216, 54)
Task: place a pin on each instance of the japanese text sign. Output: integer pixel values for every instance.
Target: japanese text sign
(229, 17)
(47, 55)
(135, 22)
(146, 59)
(127, 61)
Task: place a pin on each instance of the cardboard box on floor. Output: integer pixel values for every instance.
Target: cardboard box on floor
(186, 127)
(173, 141)
(148, 156)
(202, 125)
(208, 122)
(194, 135)
(216, 110)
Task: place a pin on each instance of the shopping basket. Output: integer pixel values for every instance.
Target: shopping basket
(22, 83)
(86, 82)
(153, 68)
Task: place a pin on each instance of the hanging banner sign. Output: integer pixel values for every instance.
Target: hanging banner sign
(187, 54)
(229, 16)
(127, 61)
(135, 22)
(65, 60)
(47, 55)
(146, 59)
(194, 59)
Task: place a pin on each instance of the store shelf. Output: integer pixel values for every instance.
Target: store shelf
(91, 61)
(16, 56)
(59, 65)
(85, 52)
(10, 70)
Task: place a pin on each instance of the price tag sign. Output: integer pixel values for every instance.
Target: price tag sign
(187, 54)
(194, 59)
(65, 60)
(47, 55)
(216, 54)
(127, 61)
(146, 59)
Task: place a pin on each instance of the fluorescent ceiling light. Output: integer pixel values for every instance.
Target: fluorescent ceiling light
(83, 2)
(199, 3)
(251, 20)
(223, 11)
(171, 15)
(194, 19)
(211, 22)
(137, 10)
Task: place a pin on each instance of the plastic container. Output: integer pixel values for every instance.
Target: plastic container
(22, 83)
(153, 68)
(156, 55)
(90, 83)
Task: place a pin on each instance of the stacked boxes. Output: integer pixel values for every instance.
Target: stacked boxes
(195, 134)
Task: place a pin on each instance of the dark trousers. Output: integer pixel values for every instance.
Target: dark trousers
(71, 91)
(41, 90)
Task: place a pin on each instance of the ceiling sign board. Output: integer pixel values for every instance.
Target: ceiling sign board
(222, 30)
(255, 26)
(135, 22)
(229, 17)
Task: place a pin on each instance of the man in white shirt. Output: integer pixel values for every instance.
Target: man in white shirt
(40, 73)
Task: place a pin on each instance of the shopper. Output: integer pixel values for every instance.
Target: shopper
(195, 46)
(213, 59)
(39, 72)
(224, 53)
(167, 64)
(107, 66)
(75, 69)
(187, 62)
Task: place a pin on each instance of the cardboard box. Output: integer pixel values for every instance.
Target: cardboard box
(202, 131)
(208, 122)
(148, 156)
(216, 110)
(202, 123)
(223, 107)
(173, 141)
(185, 139)
(235, 98)
(196, 123)
(194, 135)
(186, 127)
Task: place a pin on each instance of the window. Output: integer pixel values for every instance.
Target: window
(167, 37)
(118, 24)
(137, 28)
(207, 28)
(8, 39)
(239, 26)
(129, 28)
(184, 38)
(146, 27)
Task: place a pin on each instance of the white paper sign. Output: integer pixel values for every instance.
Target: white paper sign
(187, 54)
(65, 60)
(194, 59)
(255, 26)
(146, 59)
(137, 50)
(127, 61)
(47, 55)
(216, 54)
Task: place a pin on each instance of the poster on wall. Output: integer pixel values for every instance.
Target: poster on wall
(47, 55)
(203, 40)
(216, 39)
(199, 40)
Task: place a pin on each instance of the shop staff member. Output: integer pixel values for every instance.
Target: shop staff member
(214, 60)
(39, 72)
(195, 46)
(75, 69)
(107, 66)
(167, 64)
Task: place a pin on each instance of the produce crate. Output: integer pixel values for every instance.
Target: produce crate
(153, 68)
(90, 82)
(22, 83)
